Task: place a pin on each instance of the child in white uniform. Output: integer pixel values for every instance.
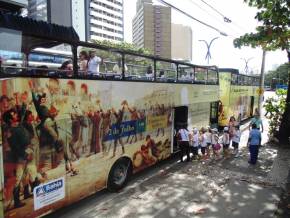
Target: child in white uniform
(236, 140)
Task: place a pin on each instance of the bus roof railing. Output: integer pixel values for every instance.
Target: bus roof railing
(44, 35)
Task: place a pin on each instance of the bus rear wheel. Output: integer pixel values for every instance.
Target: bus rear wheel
(119, 174)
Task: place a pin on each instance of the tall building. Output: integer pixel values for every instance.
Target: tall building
(152, 28)
(181, 42)
(92, 19)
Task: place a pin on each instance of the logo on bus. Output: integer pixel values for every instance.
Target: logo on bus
(50, 187)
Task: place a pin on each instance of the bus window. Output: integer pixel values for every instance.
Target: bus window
(200, 75)
(185, 73)
(240, 80)
(55, 60)
(212, 77)
(32, 56)
(234, 80)
(166, 71)
(11, 56)
(99, 63)
(250, 80)
(139, 68)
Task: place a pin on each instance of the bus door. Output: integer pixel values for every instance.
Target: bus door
(214, 114)
(252, 105)
(180, 119)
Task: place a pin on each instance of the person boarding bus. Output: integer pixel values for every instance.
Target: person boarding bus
(183, 136)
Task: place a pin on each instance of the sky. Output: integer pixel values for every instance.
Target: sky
(222, 50)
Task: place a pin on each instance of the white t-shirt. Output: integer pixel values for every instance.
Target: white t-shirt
(237, 136)
(226, 139)
(208, 137)
(94, 65)
(195, 140)
(203, 140)
(214, 139)
(184, 135)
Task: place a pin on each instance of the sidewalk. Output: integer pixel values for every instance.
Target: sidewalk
(227, 188)
(224, 188)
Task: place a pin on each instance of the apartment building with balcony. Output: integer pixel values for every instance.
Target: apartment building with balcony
(92, 19)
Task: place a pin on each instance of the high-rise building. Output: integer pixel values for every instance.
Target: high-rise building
(181, 42)
(152, 28)
(106, 20)
(92, 19)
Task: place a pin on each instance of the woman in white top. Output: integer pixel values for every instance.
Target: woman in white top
(84, 57)
(183, 139)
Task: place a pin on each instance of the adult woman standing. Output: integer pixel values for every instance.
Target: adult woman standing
(84, 57)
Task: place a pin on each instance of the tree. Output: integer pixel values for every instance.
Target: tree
(272, 34)
(123, 46)
(277, 76)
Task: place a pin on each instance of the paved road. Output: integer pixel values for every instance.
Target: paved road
(224, 188)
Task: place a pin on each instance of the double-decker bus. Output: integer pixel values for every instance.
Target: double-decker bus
(239, 95)
(67, 133)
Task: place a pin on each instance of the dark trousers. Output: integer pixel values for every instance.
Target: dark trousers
(184, 149)
(194, 151)
(254, 151)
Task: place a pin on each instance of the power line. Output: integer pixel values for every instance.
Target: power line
(188, 15)
(226, 19)
(213, 17)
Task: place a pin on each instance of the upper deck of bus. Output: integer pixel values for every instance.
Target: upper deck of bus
(133, 66)
(239, 79)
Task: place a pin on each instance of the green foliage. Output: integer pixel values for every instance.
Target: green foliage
(275, 107)
(281, 75)
(123, 46)
(274, 32)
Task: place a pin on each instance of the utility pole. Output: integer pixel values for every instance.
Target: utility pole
(208, 45)
(262, 78)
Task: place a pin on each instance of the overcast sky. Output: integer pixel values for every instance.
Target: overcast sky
(222, 51)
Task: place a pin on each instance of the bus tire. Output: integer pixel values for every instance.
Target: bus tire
(119, 174)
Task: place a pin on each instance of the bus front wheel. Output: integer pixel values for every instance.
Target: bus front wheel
(119, 174)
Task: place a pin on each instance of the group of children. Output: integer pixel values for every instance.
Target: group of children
(207, 139)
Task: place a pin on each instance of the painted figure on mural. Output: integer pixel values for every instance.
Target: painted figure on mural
(105, 130)
(76, 119)
(18, 139)
(118, 130)
(160, 111)
(134, 118)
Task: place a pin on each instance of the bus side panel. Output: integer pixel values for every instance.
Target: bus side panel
(198, 115)
(76, 130)
(224, 101)
(1, 181)
(240, 101)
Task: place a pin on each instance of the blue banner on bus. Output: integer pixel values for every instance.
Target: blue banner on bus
(126, 129)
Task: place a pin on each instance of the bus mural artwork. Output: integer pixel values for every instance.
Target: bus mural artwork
(49, 134)
(67, 133)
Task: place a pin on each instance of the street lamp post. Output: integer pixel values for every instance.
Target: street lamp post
(208, 45)
(247, 64)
